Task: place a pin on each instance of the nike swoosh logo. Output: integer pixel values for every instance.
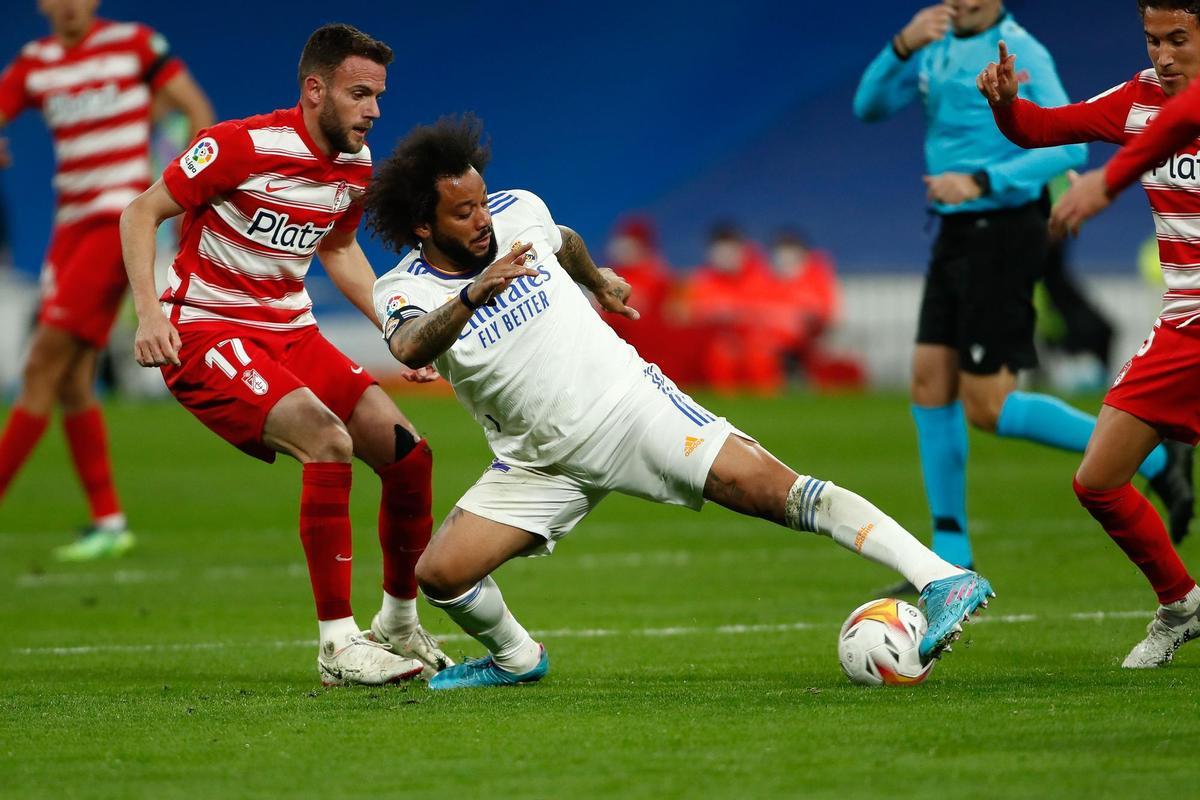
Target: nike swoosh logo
(272, 189)
(340, 557)
(356, 370)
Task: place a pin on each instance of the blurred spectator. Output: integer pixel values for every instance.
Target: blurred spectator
(804, 302)
(729, 297)
(633, 253)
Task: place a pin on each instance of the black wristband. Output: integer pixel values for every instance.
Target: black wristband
(896, 49)
(466, 298)
(983, 181)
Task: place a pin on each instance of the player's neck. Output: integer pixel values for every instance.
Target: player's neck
(69, 39)
(434, 257)
(312, 126)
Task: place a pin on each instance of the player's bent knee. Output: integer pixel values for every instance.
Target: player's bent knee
(983, 416)
(1096, 500)
(334, 444)
(436, 580)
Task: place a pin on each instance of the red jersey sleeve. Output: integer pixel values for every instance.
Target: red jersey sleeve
(13, 98)
(1176, 125)
(358, 176)
(1101, 119)
(219, 159)
(159, 64)
(349, 220)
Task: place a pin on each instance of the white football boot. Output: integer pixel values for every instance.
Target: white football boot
(364, 662)
(1173, 625)
(417, 645)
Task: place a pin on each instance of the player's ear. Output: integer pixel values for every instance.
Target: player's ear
(423, 231)
(313, 88)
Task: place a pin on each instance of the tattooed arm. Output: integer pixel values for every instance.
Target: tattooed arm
(610, 289)
(417, 342)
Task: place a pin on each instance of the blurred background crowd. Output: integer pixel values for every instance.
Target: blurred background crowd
(773, 241)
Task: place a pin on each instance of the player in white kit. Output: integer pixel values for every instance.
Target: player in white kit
(570, 410)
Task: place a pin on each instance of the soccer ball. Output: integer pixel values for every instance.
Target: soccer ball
(878, 644)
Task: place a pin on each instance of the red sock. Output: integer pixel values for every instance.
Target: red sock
(89, 451)
(21, 434)
(1137, 529)
(325, 534)
(405, 518)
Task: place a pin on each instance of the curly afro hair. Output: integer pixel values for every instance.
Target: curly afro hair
(403, 193)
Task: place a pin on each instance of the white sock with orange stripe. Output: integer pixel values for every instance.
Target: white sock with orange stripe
(854, 523)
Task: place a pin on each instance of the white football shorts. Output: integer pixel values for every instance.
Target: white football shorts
(658, 444)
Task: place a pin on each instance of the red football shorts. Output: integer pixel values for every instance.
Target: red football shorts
(1160, 385)
(83, 279)
(231, 377)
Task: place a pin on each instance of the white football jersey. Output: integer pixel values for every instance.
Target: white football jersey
(540, 370)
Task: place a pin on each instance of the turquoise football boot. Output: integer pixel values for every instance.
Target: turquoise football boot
(948, 603)
(484, 672)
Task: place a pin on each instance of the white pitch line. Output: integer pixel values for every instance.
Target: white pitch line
(564, 633)
(125, 577)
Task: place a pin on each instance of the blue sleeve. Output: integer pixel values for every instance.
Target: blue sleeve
(887, 86)
(1033, 169)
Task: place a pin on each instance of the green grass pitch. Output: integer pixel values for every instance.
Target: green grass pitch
(692, 654)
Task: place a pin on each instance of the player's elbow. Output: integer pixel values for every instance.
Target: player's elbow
(136, 214)
(404, 349)
(864, 111)
(867, 107)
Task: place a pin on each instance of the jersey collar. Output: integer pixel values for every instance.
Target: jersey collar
(302, 132)
(451, 276)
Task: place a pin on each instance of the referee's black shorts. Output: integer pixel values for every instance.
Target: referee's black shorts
(978, 295)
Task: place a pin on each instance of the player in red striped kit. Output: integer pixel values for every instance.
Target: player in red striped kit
(94, 81)
(1155, 394)
(238, 345)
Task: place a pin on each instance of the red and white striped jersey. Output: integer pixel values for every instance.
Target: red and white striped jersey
(95, 97)
(259, 196)
(1173, 187)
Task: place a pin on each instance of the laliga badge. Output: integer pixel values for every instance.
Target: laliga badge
(197, 159)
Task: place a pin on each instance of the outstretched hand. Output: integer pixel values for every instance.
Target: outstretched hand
(1086, 198)
(613, 293)
(998, 80)
(500, 274)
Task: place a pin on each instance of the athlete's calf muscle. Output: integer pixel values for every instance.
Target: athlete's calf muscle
(746, 478)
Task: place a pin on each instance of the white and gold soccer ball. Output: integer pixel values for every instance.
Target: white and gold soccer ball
(878, 644)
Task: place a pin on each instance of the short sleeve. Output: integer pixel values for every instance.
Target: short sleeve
(350, 219)
(542, 212)
(13, 97)
(159, 64)
(358, 175)
(401, 296)
(216, 162)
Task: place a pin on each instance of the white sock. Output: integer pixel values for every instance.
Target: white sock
(398, 616)
(482, 614)
(338, 631)
(110, 523)
(857, 525)
(1186, 605)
